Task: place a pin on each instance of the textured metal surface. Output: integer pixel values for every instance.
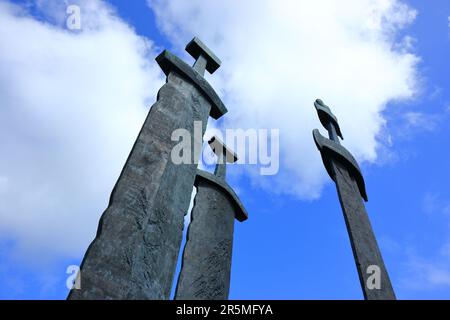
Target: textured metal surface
(362, 239)
(327, 117)
(135, 251)
(344, 170)
(330, 150)
(169, 62)
(224, 153)
(220, 184)
(206, 266)
(196, 48)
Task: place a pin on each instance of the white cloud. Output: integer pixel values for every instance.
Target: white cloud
(422, 273)
(71, 107)
(416, 269)
(426, 268)
(434, 204)
(421, 120)
(279, 56)
(72, 103)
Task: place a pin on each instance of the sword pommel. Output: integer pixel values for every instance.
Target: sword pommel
(222, 151)
(205, 58)
(328, 120)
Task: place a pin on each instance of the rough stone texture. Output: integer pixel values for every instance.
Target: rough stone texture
(363, 242)
(135, 251)
(198, 49)
(170, 62)
(328, 119)
(240, 212)
(332, 150)
(206, 266)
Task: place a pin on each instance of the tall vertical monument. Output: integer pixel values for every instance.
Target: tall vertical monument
(344, 170)
(135, 251)
(206, 265)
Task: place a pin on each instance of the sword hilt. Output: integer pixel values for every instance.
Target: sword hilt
(224, 155)
(332, 150)
(328, 120)
(205, 58)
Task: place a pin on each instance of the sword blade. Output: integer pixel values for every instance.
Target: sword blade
(364, 244)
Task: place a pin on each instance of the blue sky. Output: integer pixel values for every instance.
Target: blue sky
(387, 83)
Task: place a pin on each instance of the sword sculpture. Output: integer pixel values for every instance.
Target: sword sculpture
(344, 170)
(135, 251)
(206, 264)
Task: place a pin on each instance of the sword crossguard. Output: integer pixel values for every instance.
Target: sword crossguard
(203, 176)
(332, 151)
(328, 120)
(205, 58)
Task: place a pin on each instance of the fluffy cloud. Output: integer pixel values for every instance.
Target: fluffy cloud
(423, 121)
(72, 104)
(425, 268)
(279, 56)
(425, 273)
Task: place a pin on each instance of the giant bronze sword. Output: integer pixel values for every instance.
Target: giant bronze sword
(135, 251)
(206, 265)
(344, 170)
